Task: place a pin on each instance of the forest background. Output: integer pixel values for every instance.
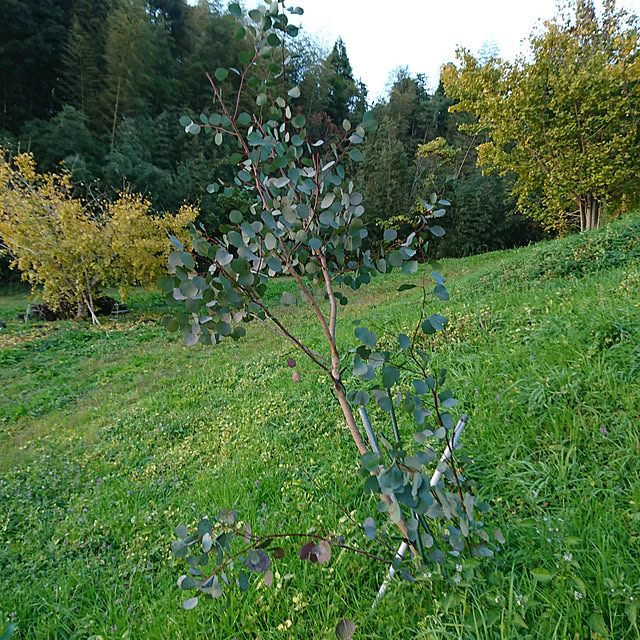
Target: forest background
(98, 87)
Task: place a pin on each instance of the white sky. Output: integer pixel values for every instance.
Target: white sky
(381, 35)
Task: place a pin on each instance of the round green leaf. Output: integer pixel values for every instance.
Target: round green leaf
(182, 531)
(166, 284)
(298, 122)
(244, 57)
(390, 375)
(273, 40)
(368, 338)
(327, 201)
(221, 74)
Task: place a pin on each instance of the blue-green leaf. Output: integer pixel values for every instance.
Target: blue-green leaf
(440, 292)
(367, 337)
(390, 375)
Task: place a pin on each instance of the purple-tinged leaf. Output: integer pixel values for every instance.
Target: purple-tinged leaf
(345, 629)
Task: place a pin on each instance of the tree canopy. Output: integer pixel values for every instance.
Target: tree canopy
(114, 76)
(564, 118)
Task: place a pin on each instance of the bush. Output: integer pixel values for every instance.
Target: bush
(577, 255)
(70, 249)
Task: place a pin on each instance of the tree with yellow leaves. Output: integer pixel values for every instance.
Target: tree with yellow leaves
(70, 250)
(565, 119)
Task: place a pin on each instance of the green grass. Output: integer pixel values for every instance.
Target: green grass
(112, 437)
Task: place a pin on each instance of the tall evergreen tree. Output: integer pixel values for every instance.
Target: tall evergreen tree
(125, 62)
(209, 44)
(139, 67)
(83, 58)
(383, 176)
(307, 70)
(341, 86)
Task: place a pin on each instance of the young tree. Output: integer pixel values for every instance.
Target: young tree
(565, 119)
(304, 220)
(61, 245)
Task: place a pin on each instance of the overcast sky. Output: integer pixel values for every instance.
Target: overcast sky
(421, 34)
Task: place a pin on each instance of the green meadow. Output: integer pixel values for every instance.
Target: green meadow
(112, 436)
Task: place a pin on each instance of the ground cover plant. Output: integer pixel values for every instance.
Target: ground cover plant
(112, 436)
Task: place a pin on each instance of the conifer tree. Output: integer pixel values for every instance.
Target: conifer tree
(341, 86)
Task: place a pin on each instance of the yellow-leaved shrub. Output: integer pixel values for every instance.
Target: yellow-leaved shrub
(69, 250)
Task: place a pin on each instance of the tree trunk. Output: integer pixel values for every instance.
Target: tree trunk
(115, 115)
(591, 212)
(349, 417)
(362, 448)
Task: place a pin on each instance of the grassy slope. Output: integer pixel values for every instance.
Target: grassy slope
(110, 438)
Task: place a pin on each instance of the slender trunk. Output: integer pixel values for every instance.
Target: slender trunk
(340, 391)
(583, 214)
(348, 414)
(596, 214)
(362, 447)
(590, 212)
(115, 114)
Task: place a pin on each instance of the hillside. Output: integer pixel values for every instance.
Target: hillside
(113, 436)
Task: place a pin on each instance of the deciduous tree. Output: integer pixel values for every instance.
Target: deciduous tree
(564, 118)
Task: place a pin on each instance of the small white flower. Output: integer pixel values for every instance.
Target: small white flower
(577, 595)
(457, 578)
(458, 568)
(568, 556)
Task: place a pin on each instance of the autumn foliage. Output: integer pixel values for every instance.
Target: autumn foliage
(564, 119)
(69, 248)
